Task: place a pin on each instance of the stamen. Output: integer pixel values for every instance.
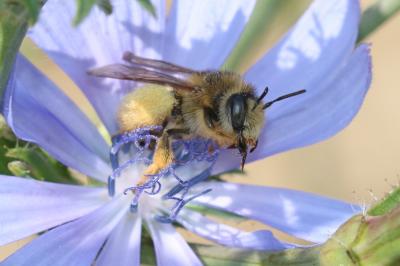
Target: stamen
(150, 184)
(155, 189)
(187, 152)
(191, 182)
(111, 186)
(135, 202)
(199, 150)
(185, 186)
(118, 141)
(180, 203)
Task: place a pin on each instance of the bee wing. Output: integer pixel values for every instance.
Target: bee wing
(155, 64)
(140, 74)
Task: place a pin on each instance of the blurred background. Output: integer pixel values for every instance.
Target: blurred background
(357, 165)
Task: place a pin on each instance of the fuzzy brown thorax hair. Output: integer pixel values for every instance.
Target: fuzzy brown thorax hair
(206, 111)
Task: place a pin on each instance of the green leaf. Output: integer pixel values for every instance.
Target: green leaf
(147, 254)
(14, 18)
(147, 5)
(33, 9)
(83, 9)
(85, 6)
(105, 6)
(4, 160)
(375, 15)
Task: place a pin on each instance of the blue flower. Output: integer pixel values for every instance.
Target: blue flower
(318, 54)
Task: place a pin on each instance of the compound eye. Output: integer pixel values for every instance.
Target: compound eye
(237, 105)
(210, 117)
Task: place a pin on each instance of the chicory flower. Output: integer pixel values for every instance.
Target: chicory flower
(317, 54)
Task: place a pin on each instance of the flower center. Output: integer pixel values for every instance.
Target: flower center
(131, 153)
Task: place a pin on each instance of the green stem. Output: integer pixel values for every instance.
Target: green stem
(387, 204)
(269, 20)
(14, 19)
(375, 15)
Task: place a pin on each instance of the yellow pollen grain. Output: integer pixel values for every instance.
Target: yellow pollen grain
(145, 106)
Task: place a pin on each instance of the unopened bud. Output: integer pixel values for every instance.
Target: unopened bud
(19, 168)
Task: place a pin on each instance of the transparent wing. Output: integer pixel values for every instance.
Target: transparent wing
(141, 74)
(158, 65)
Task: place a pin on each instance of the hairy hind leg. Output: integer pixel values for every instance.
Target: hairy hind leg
(162, 158)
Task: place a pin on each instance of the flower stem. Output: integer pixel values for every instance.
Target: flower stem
(270, 18)
(14, 19)
(375, 15)
(387, 204)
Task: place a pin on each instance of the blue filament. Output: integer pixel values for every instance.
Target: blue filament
(180, 203)
(185, 152)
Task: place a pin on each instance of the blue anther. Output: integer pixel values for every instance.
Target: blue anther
(111, 186)
(114, 160)
(164, 219)
(133, 207)
(135, 201)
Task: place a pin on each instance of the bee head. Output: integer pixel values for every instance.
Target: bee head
(246, 116)
(246, 121)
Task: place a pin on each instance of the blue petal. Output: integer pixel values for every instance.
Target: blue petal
(314, 116)
(229, 236)
(317, 46)
(322, 114)
(303, 215)
(99, 40)
(38, 112)
(75, 243)
(200, 34)
(123, 245)
(308, 57)
(170, 247)
(28, 207)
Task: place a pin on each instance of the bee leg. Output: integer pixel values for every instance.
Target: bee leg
(211, 149)
(177, 133)
(163, 157)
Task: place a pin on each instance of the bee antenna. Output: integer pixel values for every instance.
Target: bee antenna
(265, 92)
(268, 104)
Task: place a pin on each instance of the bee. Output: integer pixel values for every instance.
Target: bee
(213, 104)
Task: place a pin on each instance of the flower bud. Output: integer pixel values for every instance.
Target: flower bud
(19, 168)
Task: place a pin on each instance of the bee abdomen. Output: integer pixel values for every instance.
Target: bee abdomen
(146, 106)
